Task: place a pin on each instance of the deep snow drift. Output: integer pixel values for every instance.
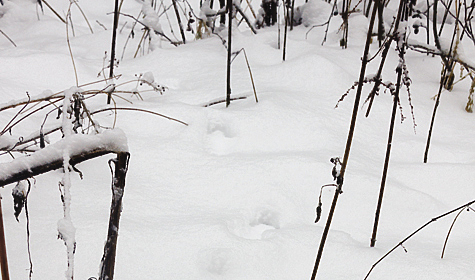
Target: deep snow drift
(233, 194)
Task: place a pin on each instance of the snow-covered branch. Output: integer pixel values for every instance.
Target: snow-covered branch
(460, 58)
(81, 147)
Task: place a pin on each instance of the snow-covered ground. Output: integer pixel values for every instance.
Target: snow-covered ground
(233, 194)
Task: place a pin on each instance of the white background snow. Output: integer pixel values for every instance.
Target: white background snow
(233, 195)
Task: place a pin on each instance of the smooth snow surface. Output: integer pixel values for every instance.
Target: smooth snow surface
(233, 194)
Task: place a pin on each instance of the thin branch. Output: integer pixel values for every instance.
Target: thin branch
(114, 37)
(156, 32)
(450, 229)
(239, 10)
(138, 110)
(349, 140)
(14, 117)
(416, 46)
(69, 45)
(6, 36)
(416, 231)
(224, 100)
(53, 10)
(84, 16)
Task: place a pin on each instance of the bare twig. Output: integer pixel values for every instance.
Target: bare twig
(156, 31)
(229, 9)
(416, 231)
(180, 25)
(84, 16)
(224, 100)
(54, 11)
(9, 39)
(250, 72)
(450, 229)
(114, 37)
(239, 10)
(349, 140)
(69, 46)
(138, 110)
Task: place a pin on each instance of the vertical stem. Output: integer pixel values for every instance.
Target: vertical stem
(368, 8)
(398, 37)
(230, 30)
(377, 81)
(386, 161)
(448, 66)
(114, 37)
(118, 185)
(348, 144)
(450, 230)
(325, 232)
(179, 21)
(380, 22)
(434, 112)
(292, 16)
(344, 15)
(286, 19)
(427, 24)
(3, 248)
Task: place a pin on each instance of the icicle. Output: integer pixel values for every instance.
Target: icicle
(66, 230)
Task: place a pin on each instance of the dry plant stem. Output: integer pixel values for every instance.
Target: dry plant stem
(239, 10)
(286, 20)
(377, 79)
(29, 114)
(427, 22)
(84, 16)
(278, 27)
(114, 37)
(415, 46)
(446, 13)
(224, 100)
(3, 248)
(28, 231)
(249, 69)
(110, 247)
(380, 22)
(14, 117)
(434, 30)
(292, 16)
(348, 144)
(416, 231)
(345, 15)
(69, 46)
(399, 70)
(368, 8)
(179, 21)
(22, 146)
(436, 105)
(168, 18)
(228, 68)
(327, 23)
(131, 34)
(6, 36)
(250, 8)
(386, 161)
(139, 110)
(140, 43)
(53, 96)
(54, 12)
(156, 32)
(450, 230)
(250, 75)
(448, 64)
